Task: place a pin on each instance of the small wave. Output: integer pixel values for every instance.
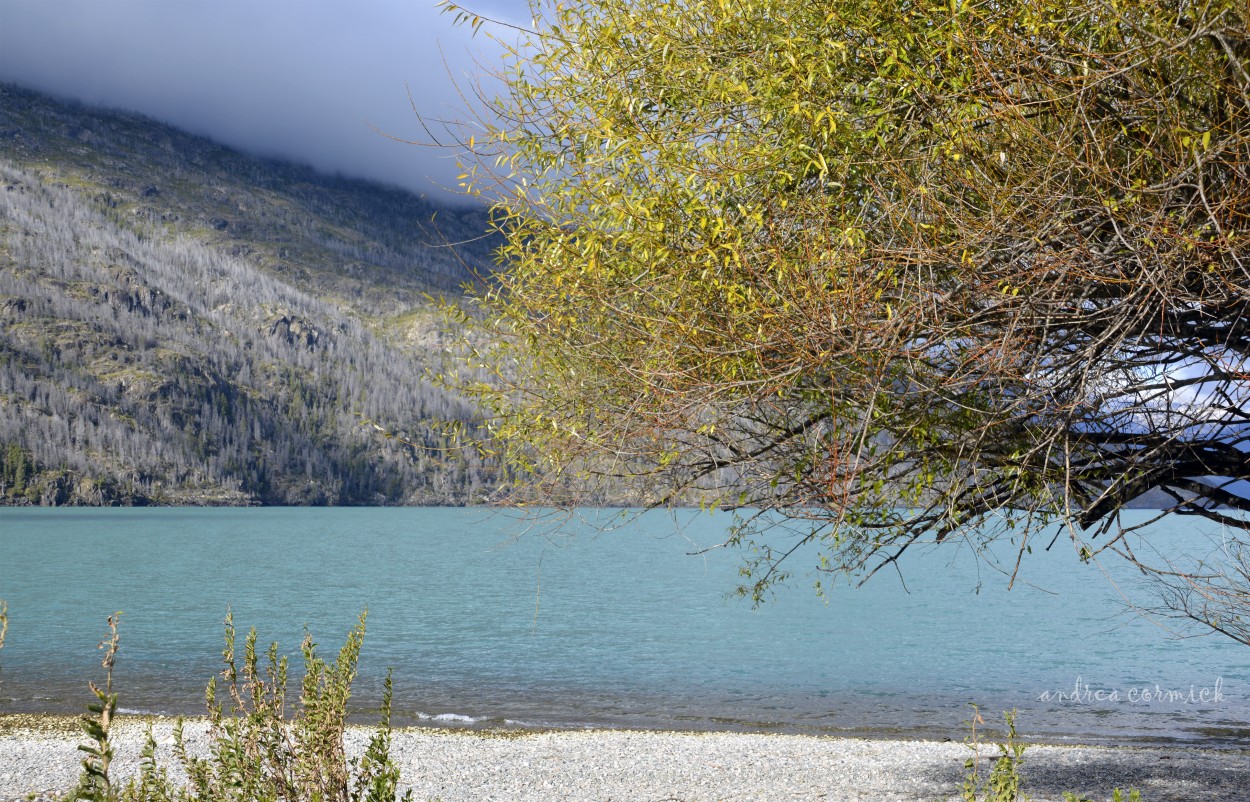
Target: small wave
(450, 717)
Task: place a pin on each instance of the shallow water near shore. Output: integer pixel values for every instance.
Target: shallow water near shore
(489, 621)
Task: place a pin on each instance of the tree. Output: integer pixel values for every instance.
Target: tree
(901, 270)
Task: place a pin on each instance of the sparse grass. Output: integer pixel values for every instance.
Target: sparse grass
(255, 752)
(1004, 782)
(95, 783)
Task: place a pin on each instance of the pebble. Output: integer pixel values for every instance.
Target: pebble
(618, 765)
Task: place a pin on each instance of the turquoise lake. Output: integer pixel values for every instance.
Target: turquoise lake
(488, 620)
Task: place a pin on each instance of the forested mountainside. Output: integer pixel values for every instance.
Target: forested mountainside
(181, 323)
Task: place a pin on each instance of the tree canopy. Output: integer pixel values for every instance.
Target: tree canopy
(903, 270)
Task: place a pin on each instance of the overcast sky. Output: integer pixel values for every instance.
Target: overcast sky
(301, 79)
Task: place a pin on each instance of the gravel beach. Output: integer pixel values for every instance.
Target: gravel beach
(38, 756)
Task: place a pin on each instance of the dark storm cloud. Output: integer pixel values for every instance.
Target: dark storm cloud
(301, 79)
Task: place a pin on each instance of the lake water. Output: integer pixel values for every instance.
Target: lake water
(489, 622)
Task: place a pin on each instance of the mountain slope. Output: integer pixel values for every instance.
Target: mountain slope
(182, 323)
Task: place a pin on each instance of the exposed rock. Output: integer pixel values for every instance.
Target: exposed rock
(92, 492)
(295, 331)
(143, 300)
(55, 492)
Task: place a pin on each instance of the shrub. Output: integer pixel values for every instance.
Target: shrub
(94, 783)
(1004, 781)
(255, 752)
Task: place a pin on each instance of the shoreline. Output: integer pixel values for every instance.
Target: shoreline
(1234, 737)
(38, 754)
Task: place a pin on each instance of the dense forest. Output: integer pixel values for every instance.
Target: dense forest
(181, 323)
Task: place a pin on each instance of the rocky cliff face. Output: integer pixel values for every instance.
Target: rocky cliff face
(182, 323)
